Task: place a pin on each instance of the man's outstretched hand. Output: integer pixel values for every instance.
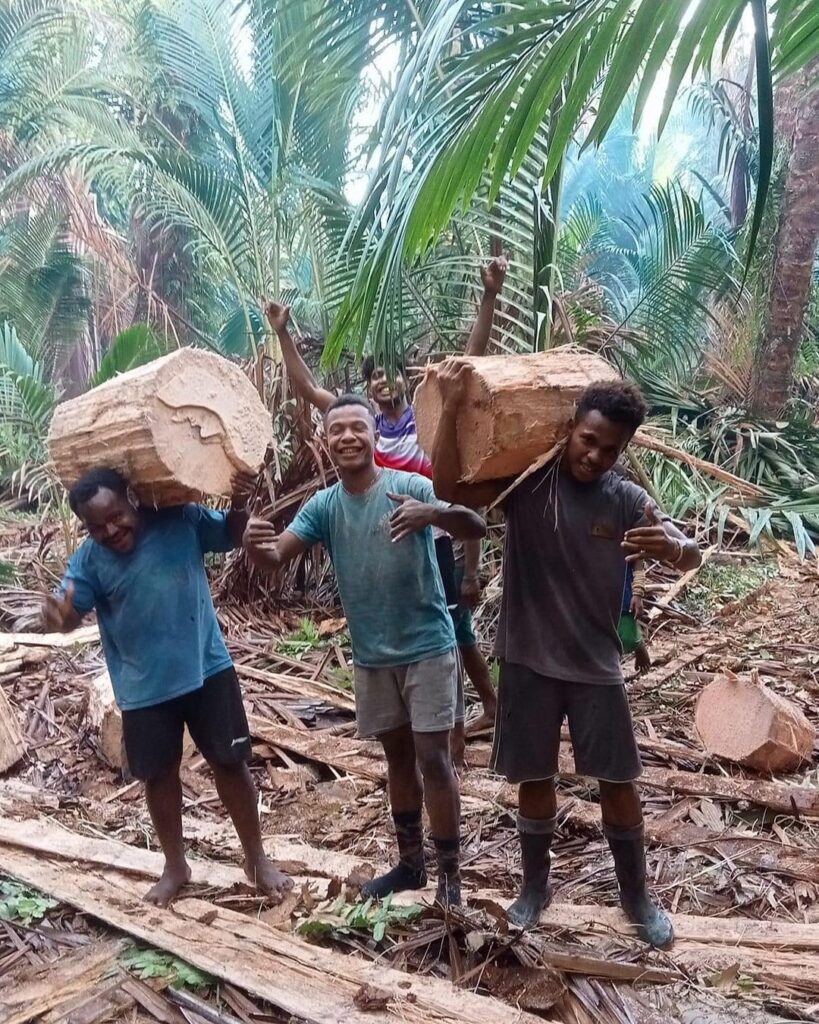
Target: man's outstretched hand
(410, 516)
(493, 274)
(58, 614)
(278, 316)
(651, 541)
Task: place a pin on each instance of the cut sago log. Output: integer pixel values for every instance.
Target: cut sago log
(515, 409)
(177, 428)
(739, 719)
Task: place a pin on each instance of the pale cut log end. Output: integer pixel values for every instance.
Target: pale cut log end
(516, 408)
(177, 428)
(743, 721)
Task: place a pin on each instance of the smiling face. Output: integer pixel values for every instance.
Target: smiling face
(111, 520)
(386, 393)
(351, 437)
(595, 444)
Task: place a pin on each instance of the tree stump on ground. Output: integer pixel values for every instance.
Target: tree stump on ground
(741, 720)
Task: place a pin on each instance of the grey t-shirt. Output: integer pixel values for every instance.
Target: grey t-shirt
(564, 572)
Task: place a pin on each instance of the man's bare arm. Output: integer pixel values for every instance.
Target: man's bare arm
(268, 550)
(446, 463)
(304, 383)
(492, 276)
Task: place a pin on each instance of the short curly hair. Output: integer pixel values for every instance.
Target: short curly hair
(619, 401)
(101, 478)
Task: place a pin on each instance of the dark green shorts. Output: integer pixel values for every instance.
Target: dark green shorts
(531, 709)
(462, 616)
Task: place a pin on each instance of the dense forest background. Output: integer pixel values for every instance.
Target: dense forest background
(651, 170)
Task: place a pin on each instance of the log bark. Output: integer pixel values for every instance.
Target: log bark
(516, 408)
(311, 983)
(59, 986)
(12, 747)
(176, 428)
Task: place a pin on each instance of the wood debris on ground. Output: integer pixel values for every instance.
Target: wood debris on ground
(733, 855)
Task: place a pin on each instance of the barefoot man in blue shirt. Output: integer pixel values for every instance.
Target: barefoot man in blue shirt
(143, 571)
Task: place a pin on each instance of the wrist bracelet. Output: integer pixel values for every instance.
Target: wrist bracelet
(680, 552)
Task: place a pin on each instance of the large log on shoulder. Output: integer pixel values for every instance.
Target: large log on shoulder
(516, 408)
(177, 428)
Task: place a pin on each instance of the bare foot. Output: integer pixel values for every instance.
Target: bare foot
(485, 723)
(267, 878)
(168, 885)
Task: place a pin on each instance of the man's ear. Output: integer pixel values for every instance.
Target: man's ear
(133, 500)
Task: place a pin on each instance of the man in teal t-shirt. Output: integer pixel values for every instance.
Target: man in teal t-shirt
(143, 571)
(376, 525)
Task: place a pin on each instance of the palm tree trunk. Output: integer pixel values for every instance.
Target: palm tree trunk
(795, 246)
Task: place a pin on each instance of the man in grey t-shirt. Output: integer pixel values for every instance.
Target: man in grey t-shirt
(570, 526)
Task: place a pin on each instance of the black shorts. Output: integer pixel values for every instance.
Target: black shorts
(445, 557)
(531, 709)
(214, 715)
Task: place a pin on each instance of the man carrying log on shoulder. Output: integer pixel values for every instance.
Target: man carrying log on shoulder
(397, 447)
(568, 526)
(376, 525)
(143, 570)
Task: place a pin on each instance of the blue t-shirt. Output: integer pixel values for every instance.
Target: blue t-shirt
(392, 594)
(156, 616)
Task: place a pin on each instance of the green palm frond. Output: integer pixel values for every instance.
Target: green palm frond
(463, 111)
(131, 348)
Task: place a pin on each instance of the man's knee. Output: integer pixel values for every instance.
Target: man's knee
(435, 759)
(163, 775)
(227, 770)
(617, 792)
(399, 748)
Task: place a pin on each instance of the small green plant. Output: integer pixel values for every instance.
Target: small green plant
(19, 903)
(369, 917)
(152, 963)
(718, 584)
(8, 572)
(303, 640)
(342, 678)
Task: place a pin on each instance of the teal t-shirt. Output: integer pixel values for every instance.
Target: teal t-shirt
(392, 594)
(156, 616)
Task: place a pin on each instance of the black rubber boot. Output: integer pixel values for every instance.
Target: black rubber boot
(449, 872)
(535, 836)
(628, 848)
(410, 872)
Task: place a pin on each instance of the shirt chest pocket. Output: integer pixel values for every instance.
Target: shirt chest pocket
(603, 530)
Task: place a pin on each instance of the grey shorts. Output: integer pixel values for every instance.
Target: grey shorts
(428, 695)
(531, 709)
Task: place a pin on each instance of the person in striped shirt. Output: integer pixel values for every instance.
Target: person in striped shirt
(397, 448)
